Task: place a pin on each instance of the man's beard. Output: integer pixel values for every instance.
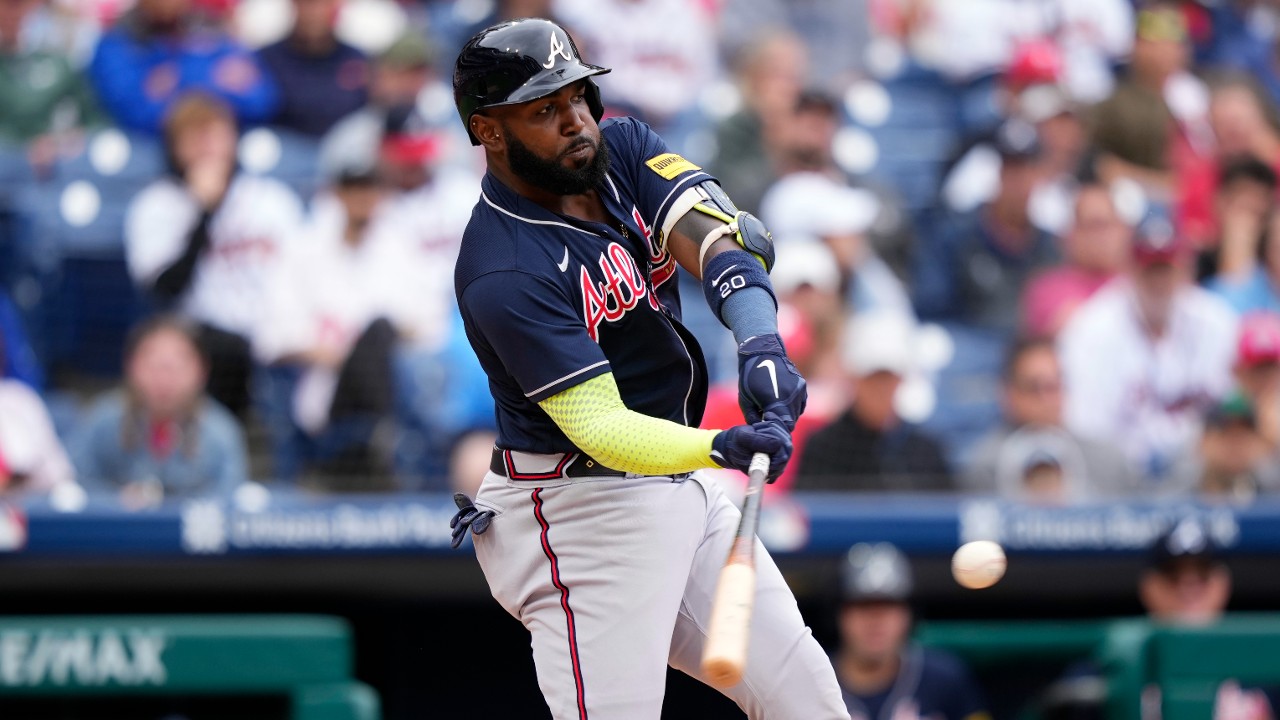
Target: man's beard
(552, 175)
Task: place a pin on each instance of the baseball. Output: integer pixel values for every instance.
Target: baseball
(978, 564)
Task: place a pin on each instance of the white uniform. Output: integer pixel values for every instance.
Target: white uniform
(1147, 396)
(246, 236)
(325, 292)
(642, 556)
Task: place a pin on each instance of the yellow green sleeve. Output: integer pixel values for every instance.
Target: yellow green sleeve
(595, 419)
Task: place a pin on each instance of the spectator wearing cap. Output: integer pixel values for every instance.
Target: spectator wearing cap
(1154, 127)
(1096, 249)
(403, 80)
(869, 447)
(1233, 460)
(1147, 355)
(1185, 581)
(159, 52)
(882, 673)
(1257, 371)
(159, 436)
(321, 78)
(1248, 273)
(974, 269)
(812, 206)
(203, 238)
(1031, 456)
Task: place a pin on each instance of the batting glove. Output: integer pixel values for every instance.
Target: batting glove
(769, 386)
(734, 447)
(468, 517)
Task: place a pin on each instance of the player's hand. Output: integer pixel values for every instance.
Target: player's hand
(468, 516)
(769, 386)
(734, 447)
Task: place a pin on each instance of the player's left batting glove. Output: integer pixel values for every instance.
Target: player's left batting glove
(468, 517)
(734, 447)
(768, 382)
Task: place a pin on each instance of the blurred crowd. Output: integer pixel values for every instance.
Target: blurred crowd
(1025, 247)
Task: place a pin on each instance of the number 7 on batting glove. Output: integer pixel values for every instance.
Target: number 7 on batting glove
(769, 386)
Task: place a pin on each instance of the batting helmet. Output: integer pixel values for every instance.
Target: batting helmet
(519, 61)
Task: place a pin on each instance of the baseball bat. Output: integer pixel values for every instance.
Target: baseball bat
(725, 655)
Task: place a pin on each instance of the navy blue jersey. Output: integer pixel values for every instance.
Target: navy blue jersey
(931, 685)
(551, 301)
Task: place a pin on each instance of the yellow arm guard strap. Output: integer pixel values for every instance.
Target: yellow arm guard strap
(594, 417)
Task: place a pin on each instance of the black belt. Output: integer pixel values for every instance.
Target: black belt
(570, 465)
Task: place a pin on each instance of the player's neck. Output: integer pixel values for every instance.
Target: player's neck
(867, 676)
(584, 206)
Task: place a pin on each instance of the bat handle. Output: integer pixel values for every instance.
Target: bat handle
(759, 464)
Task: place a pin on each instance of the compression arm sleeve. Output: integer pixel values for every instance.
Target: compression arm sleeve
(595, 419)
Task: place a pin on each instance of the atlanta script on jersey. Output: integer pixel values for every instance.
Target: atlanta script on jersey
(551, 301)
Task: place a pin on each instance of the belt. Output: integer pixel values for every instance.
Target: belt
(547, 467)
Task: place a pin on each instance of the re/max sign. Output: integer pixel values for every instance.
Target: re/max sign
(79, 657)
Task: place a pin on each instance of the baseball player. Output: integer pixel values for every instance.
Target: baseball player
(592, 527)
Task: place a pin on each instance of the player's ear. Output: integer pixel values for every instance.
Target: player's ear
(488, 131)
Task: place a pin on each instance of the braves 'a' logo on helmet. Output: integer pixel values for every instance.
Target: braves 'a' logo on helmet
(557, 48)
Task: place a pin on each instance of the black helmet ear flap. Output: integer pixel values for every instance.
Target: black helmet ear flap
(518, 61)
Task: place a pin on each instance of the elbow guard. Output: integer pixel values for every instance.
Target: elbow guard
(745, 228)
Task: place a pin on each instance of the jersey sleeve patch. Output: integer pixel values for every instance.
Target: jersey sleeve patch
(670, 165)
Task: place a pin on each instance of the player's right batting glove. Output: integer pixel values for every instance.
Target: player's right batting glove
(734, 447)
(468, 517)
(769, 386)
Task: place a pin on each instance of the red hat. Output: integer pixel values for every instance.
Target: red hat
(1156, 241)
(1035, 62)
(1259, 339)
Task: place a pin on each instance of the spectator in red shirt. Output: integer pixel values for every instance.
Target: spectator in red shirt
(1096, 249)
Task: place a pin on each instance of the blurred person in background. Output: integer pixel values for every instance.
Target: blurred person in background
(1232, 461)
(159, 436)
(1154, 127)
(771, 73)
(403, 81)
(974, 268)
(341, 295)
(1147, 355)
(803, 157)
(869, 447)
(1244, 200)
(41, 95)
(658, 74)
(1030, 91)
(881, 672)
(1032, 403)
(1257, 371)
(1185, 581)
(203, 239)
(160, 51)
(442, 392)
(1248, 255)
(1095, 249)
(321, 79)
(1246, 126)
(32, 460)
(838, 31)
